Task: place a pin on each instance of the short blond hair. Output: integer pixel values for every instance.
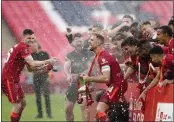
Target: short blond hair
(99, 36)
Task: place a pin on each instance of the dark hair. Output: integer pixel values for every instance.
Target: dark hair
(130, 41)
(118, 35)
(166, 30)
(89, 29)
(171, 22)
(77, 35)
(144, 23)
(128, 16)
(27, 32)
(144, 44)
(156, 50)
(134, 24)
(172, 18)
(99, 36)
(124, 29)
(143, 48)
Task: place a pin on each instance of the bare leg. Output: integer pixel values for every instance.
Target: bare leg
(85, 111)
(69, 106)
(17, 110)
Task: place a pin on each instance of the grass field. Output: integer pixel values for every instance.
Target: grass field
(57, 105)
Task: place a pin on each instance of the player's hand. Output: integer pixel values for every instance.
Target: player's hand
(156, 70)
(165, 82)
(85, 77)
(142, 96)
(53, 60)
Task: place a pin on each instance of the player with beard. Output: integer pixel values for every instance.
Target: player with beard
(18, 57)
(76, 63)
(110, 75)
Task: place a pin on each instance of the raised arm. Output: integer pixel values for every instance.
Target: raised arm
(32, 64)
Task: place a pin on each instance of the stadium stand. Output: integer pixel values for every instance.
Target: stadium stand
(31, 15)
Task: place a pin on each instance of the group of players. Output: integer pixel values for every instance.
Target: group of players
(129, 52)
(113, 56)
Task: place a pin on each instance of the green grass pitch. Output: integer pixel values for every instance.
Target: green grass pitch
(57, 106)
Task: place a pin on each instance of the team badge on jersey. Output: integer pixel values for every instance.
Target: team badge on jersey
(104, 61)
(26, 50)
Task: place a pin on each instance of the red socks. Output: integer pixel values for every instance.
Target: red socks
(15, 117)
(102, 117)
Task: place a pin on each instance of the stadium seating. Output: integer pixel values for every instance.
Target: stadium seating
(29, 14)
(164, 12)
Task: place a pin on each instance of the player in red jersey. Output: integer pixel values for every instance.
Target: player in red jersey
(111, 76)
(164, 34)
(166, 69)
(17, 57)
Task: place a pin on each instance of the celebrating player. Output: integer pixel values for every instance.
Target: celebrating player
(111, 75)
(17, 58)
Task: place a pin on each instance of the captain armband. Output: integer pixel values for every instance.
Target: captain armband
(105, 68)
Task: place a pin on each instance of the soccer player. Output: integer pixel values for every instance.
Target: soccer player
(17, 57)
(166, 69)
(118, 112)
(110, 75)
(164, 34)
(117, 51)
(138, 52)
(148, 32)
(127, 20)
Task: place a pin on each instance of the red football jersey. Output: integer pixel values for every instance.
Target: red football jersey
(15, 62)
(105, 59)
(171, 46)
(169, 67)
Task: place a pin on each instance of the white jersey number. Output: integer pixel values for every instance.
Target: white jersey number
(9, 53)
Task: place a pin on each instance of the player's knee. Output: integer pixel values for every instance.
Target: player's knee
(21, 104)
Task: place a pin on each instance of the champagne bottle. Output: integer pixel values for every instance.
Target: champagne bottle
(55, 67)
(82, 83)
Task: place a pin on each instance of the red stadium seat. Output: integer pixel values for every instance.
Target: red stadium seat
(29, 14)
